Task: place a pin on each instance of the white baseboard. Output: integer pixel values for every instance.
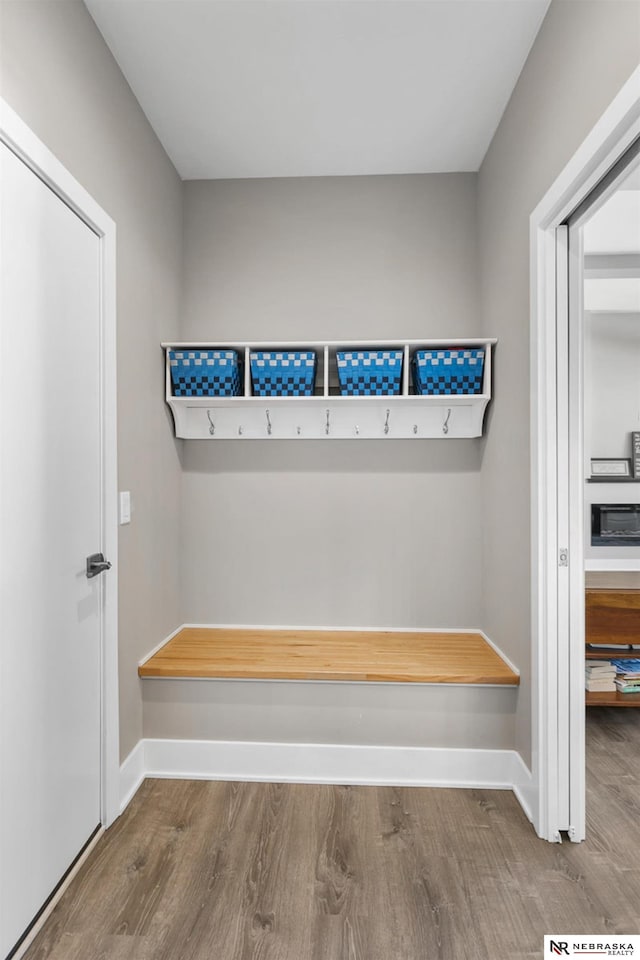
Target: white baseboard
(524, 788)
(132, 773)
(324, 763)
(328, 763)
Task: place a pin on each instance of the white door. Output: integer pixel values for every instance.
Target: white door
(50, 522)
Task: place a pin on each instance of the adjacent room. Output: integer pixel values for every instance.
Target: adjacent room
(320, 433)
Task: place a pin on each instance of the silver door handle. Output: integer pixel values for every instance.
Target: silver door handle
(96, 564)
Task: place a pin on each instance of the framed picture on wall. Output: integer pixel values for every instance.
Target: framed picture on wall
(616, 468)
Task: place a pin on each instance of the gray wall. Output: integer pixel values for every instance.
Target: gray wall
(389, 714)
(369, 257)
(584, 53)
(611, 383)
(612, 412)
(344, 533)
(59, 76)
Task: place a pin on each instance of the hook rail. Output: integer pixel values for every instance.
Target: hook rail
(445, 425)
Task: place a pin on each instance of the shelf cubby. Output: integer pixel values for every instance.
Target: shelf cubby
(327, 414)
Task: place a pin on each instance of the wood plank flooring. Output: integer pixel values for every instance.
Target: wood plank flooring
(330, 655)
(196, 870)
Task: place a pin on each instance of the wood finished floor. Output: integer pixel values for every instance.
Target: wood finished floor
(229, 871)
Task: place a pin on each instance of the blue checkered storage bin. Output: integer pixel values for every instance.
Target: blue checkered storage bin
(448, 371)
(370, 372)
(205, 373)
(283, 374)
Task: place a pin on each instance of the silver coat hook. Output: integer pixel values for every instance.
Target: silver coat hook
(386, 423)
(415, 428)
(357, 430)
(268, 422)
(240, 431)
(298, 430)
(445, 425)
(212, 426)
(326, 429)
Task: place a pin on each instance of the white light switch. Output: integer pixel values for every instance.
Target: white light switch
(125, 506)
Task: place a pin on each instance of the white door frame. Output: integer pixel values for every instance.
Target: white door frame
(556, 772)
(25, 144)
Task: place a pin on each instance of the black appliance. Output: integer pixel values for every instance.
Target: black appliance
(615, 524)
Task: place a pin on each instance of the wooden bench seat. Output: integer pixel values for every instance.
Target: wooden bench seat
(351, 655)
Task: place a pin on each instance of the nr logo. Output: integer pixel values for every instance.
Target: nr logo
(559, 948)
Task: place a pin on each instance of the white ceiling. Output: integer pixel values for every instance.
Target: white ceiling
(292, 88)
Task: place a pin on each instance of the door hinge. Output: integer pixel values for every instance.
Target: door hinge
(563, 557)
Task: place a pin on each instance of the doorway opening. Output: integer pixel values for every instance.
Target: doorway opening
(603, 509)
(558, 477)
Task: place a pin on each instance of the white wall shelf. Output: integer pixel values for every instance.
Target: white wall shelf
(327, 415)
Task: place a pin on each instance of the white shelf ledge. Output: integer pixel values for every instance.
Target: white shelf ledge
(327, 415)
(616, 565)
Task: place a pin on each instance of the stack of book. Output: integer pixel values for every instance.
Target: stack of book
(627, 675)
(600, 676)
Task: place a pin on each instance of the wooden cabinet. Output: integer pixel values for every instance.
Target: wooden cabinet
(612, 616)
